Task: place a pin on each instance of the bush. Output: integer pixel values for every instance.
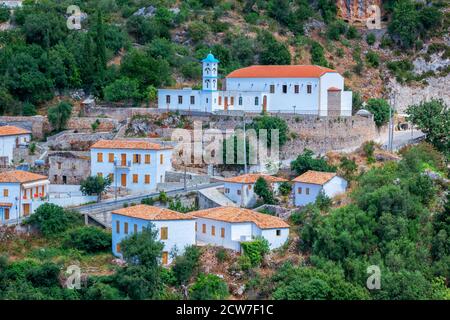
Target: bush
(369, 148)
(380, 110)
(197, 31)
(88, 239)
(4, 13)
(373, 59)
(264, 191)
(305, 162)
(256, 250)
(209, 287)
(317, 55)
(52, 220)
(352, 33)
(323, 202)
(29, 109)
(221, 255)
(186, 265)
(285, 188)
(370, 38)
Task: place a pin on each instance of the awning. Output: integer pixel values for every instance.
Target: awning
(5, 204)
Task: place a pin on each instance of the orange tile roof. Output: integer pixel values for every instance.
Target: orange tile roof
(5, 204)
(237, 215)
(146, 212)
(128, 144)
(296, 71)
(252, 177)
(315, 177)
(18, 176)
(12, 131)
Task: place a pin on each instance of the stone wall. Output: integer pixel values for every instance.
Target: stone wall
(38, 125)
(70, 140)
(85, 124)
(68, 167)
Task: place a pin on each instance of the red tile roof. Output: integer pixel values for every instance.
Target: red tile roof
(239, 215)
(315, 177)
(12, 131)
(128, 144)
(296, 71)
(18, 176)
(251, 178)
(147, 212)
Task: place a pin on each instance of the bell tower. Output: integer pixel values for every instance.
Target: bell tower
(210, 66)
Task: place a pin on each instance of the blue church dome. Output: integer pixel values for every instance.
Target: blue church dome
(210, 58)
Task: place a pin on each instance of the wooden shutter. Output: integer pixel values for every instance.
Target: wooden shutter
(125, 227)
(222, 232)
(135, 178)
(99, 157)
(117, 226)
(111, 157)
(165, 257)
(147, 159)
(213, 230)
(164, 233)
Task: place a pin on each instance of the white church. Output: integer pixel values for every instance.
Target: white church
(299, 89)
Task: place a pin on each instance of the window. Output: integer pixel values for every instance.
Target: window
(309, 88)
(222, 232)
(232, 101)
(125, 228)
(278, 233)
(167, 99)
(299, 191)
(196, 227)
(147, 159)
(59, 165)
(192, 99)
(284, 88)
(117, 226)
(164, 233)
(111, 157)
(307, 190)
(180, 99)
(118, 248)
(213, 230)
(227, 190)
(296, 88)
(165, 257)
(240, 101)
(135, 178)
(256, 101)
(220, 100)
(204, 228)
(249, 187)
(99, 174)
(5, 192)
(6, 210)
(147, 179)
(111, 177)
(135, 228)
(161, 159)
(272, 88)
(238, 192)
(136, 158)
(99, 157)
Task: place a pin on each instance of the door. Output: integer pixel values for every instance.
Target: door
(123, 158)
(6, 216)
(265, 104)
(225, 103)
(26, 209)
(123, 179)
(165, 257)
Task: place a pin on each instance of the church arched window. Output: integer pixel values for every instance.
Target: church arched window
(256, 101)
(207, 71)
(240, 101)
(207, 84)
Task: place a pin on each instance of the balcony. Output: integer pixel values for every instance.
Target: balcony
(122, 164)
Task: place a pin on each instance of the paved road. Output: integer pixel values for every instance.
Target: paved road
(98, 209)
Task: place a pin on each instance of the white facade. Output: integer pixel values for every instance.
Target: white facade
(10, 141)
(305, 193)
(180, 234)
(20, 199)
(243, 194)
(320, 92)
(138, 170)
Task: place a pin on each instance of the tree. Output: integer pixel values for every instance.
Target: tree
(186, 265)
(348, 167)
(380, 110)
(404, 23)
(270, 124)
(59, 115)
(141, 278)
(88, 63)
(264, 191)
(433, 118)
(305, 162)
(285, 188)
(95, 185)
(100, 43)
(272, 52)
(317, 55)
(88, 239)
(209, 287)
(4, 13)
(52, 220)
(123, 89)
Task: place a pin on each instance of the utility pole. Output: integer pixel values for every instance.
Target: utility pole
(245, 147)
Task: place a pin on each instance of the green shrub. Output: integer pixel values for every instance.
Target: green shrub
(221, 255)
(52, 220)
(88, 239)
(372, 59)
(369, 148)
(370, 38)
(186, 265)
(209, 287)
(285, 188)
(256, 250)
(352, 33)
(380, 110)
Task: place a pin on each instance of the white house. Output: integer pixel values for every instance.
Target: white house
(300, 89)
(308, 186)
(229, 226)
(11, 137)
(11, 3)
(21, 193)
(136, 165)
(240, 189)
(176, 230)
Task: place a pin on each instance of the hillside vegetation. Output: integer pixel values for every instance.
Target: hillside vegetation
(128, 48)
